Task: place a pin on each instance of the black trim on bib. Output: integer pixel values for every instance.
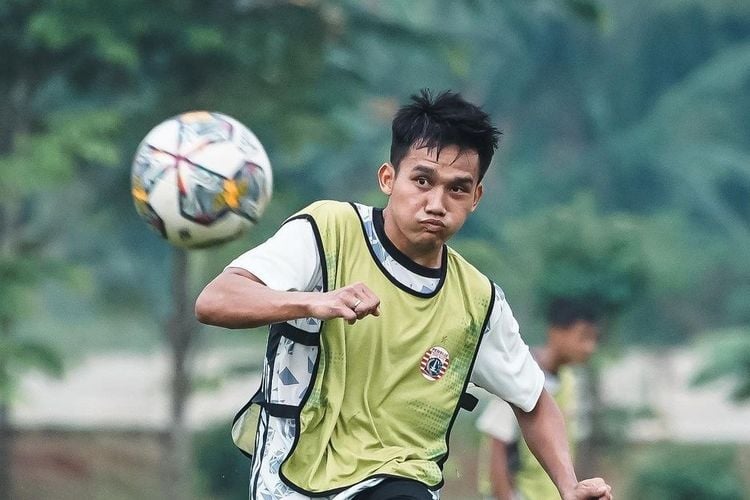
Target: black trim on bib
(275, 332)
(442, 274)
(314, 375)
(378, 222)
(401, 258)
(245, 407)
(441, 460)
(296, 335)
(319, 242)
(274, 409)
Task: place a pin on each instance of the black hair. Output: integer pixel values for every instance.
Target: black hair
(446, 120)
(563, 312)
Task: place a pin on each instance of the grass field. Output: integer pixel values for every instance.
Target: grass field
(125, 465)
(113, 465)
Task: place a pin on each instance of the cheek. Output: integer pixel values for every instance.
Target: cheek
(403, 191)
(586, 349)
(459, 212)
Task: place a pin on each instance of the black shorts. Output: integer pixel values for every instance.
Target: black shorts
(396, 489)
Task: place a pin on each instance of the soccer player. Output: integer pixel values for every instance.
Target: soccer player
(377, 327)
(512, 472)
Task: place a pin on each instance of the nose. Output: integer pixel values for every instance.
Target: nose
(435, 204)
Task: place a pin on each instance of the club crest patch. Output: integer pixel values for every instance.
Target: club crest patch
(434, 363)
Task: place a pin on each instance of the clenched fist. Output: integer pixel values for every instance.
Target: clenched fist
(588, 489)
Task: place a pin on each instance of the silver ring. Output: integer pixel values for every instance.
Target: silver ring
(359, 301)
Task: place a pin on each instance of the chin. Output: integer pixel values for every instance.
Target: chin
(429, 241)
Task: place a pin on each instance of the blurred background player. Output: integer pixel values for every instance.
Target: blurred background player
(509, 470)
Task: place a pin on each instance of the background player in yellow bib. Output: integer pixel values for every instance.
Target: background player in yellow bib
(508, 470)
(377, 327)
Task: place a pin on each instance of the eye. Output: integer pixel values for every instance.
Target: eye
(422, 181)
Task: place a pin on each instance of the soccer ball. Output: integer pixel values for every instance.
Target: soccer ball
(200, 179)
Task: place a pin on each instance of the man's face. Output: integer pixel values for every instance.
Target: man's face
(430, 197)
(579, 341)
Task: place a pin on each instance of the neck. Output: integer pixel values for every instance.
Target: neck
(427, 255)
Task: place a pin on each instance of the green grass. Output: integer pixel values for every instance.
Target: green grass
(109, 465)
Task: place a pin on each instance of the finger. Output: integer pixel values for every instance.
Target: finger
(370, 302)
(359, 300)
(351, 302)
(595, 488)
(601, 491)
(348, 315)
(367, 308)
(361, 307)
(344, 308)
(598, 492)
(365, 292)
(373, 305)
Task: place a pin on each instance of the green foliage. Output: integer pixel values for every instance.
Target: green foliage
(586, 9)
(44, 143)
(677, 473)
(575, 251)
(223, 470)
(72, 141)
(18, 356)
(728, 357)
(622, 173)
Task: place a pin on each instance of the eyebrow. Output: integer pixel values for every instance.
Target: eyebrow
(423, 169)
(430, 171)
(464, 181)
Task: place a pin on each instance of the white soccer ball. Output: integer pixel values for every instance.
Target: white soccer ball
(200, 179)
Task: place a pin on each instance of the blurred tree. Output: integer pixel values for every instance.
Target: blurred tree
(642, 126)
(223, 471)
(573, 250)
(44, 144)
(255, 62)
(728, 357)
(681, 473)
(643, 108)
(263, 64)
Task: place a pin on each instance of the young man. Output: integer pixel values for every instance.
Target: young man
(512, 471)
(376, 327)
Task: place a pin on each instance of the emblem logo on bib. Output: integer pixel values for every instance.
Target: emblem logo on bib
(434, 363)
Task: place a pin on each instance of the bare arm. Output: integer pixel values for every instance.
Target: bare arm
(238, 299)
(543, 429)
(500, 476)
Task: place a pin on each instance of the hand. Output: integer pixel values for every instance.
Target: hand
(351, 302)
(588, 489)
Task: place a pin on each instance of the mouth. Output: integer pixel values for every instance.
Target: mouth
(432, 225)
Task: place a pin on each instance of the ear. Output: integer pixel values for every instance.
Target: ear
(477, 196)
(386, 176)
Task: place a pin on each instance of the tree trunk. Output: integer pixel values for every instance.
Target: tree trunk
(14, 99)
(6, 432)
(6, 454)
(180, 331)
